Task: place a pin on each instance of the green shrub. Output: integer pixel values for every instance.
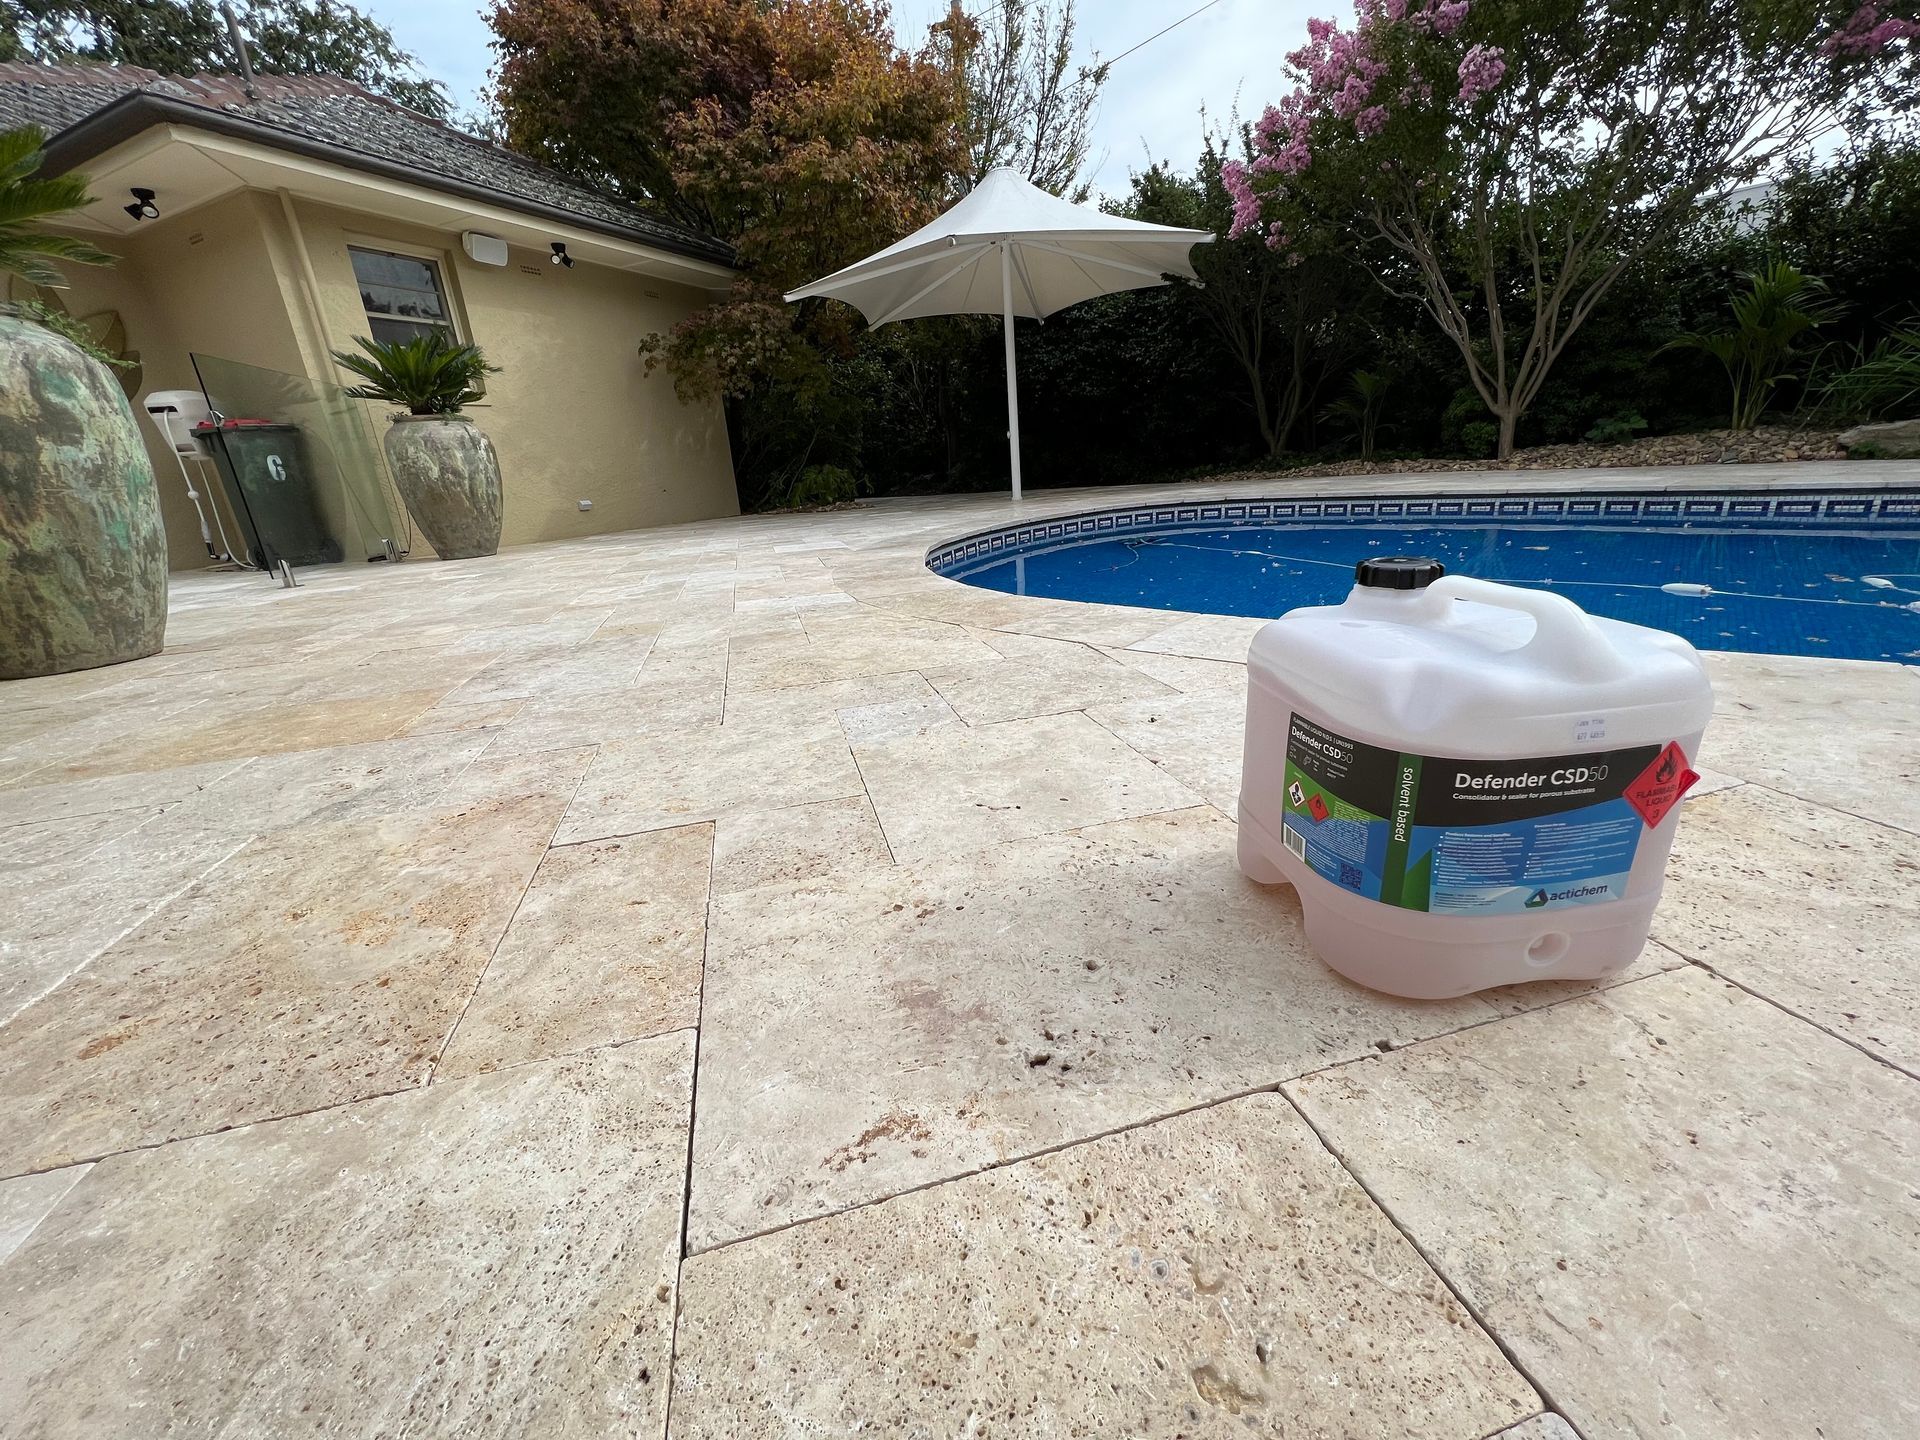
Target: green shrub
(1617, 429)
(1465, 409)
(1780, 307)
(1883, 380)
(430, 374)
(826, 485)
(1479, 439)
(1360, 407)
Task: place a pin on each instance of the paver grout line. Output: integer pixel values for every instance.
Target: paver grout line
(21, 1238)
(1199, 798)
(584, 1050)
(693, 1102)
(989, 1168)
(1486, 1328)
(532, 875)
(1592, 994)
(159, 905)
(1900, 830)
(1156, 1119)
(858, 769)
(1791, 1013)
(1504, 1429)
(104, 1156)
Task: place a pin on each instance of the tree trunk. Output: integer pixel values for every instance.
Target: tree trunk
(1263, 417)
(1509, 422)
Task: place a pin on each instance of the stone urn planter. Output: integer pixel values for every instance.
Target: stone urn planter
(83, 555)
(446, 471)
(443, 467)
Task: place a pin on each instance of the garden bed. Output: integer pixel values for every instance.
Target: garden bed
(1768, 444)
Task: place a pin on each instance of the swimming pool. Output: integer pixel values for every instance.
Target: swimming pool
(1833, 573)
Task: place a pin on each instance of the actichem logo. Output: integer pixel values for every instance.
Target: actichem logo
(1577, 892)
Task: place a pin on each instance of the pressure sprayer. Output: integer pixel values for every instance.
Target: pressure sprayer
(1469, 784)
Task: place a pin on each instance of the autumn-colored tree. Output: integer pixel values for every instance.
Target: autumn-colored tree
(796, 130)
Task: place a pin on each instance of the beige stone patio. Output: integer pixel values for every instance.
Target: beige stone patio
(728, 981)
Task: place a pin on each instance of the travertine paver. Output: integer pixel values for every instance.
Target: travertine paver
(37, 799)
(1017, 689)
(1195, 738)
(1684, 1211)
(26, 1201)
(605, 947)
(842, 649)
(488, 1257)
(300, 918)
(668, 778)
(1204, 637)
(227, 733)
(1836, 733)
(63, 913)
(863, 1035)
(449, 716)
(591, 667)
(802, 842)
(39, 842)
(1540, 1427)
(1217, 1274)
(948, 790)
(804, 706)
(1819, 910)
(674, 699)
(323, 963)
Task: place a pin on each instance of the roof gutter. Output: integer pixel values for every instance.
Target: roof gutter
(133, 114)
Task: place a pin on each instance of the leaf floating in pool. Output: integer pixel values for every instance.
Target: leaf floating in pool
(1879, 582)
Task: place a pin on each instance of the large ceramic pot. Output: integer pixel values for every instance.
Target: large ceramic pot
(83, 554)
(447, 473)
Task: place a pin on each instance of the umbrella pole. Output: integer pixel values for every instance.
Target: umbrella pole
(1013, 387)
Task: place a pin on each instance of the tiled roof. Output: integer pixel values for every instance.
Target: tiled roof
(345, 117)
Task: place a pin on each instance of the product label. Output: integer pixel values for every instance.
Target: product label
(1474, 837)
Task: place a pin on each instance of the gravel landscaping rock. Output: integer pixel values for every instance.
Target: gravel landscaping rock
(1769, 444)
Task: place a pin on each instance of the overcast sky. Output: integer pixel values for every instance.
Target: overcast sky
(1150, 107)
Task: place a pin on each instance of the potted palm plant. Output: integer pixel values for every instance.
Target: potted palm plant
(443, 465)
(83, 552)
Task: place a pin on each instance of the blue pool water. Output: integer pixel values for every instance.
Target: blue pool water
(1848, 596)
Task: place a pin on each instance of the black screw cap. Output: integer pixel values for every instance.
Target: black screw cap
(1399, 572)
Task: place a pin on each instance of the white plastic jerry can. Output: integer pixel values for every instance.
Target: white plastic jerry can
(1469, 784)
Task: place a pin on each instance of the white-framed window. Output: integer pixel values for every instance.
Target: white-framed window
(404, 295)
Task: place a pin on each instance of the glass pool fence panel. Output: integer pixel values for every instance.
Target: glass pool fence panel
(302, 470)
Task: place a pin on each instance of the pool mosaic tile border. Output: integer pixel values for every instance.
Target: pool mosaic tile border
(1850, 510)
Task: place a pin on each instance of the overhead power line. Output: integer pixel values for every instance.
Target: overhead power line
(1088, 72)
(1134, 49)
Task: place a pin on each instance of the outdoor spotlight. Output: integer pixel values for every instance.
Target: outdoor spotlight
(560, 255)
(142, 207)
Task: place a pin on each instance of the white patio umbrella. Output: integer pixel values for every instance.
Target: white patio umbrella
(1009, 248)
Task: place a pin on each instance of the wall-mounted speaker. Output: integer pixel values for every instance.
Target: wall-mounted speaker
(484, 249)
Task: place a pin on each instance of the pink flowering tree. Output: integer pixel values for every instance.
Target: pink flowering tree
(1510, 160)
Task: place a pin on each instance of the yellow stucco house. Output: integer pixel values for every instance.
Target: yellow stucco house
(259, 231)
